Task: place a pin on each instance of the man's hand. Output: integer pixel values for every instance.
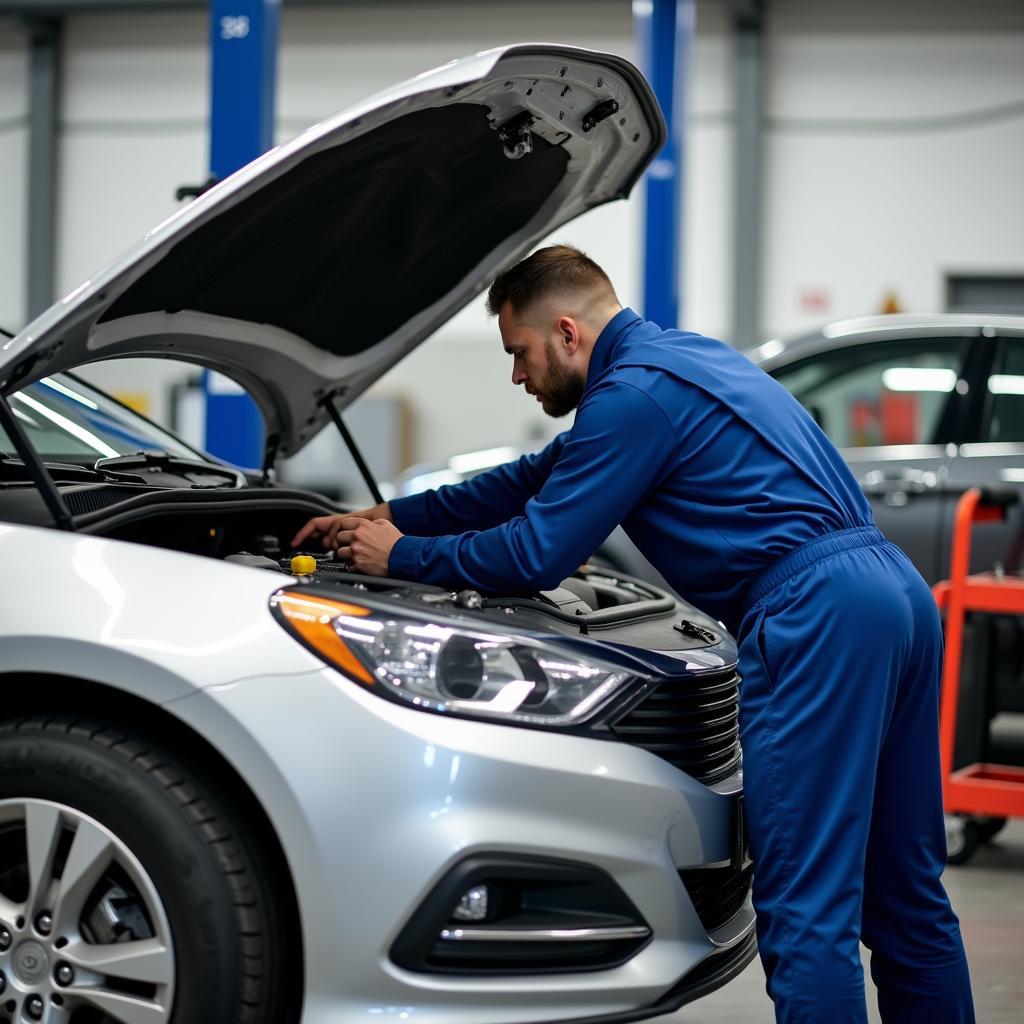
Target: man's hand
(328, 527)
(366, 544)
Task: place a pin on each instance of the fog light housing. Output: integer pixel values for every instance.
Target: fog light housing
(474, 905)
(541, 916)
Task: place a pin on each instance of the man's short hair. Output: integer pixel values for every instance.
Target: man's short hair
(550, 271)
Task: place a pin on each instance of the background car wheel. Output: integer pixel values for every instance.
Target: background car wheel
(127, 890)
(961, 839)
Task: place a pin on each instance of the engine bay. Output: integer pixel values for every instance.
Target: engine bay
(251, 526)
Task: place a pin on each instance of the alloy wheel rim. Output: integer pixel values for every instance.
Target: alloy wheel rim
(81, 922)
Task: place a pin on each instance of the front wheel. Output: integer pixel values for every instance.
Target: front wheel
(127, 892)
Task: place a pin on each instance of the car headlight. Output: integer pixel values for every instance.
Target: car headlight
(462, 670)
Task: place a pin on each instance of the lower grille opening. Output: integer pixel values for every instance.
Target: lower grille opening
(518, 915)
(717, 893)
(522, 957)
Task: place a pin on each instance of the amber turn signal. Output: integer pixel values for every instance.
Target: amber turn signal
(311, 619)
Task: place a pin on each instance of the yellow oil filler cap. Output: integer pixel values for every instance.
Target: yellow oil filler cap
(303, 565)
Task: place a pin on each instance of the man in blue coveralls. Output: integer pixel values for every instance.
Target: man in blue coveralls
(731, 490)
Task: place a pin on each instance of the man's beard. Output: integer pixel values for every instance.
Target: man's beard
(563, 386)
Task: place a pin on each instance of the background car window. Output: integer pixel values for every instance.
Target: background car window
(66, 420)
(1005, 398)
(879, 394)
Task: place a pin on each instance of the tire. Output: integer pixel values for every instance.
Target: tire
(161, 860)
(989, 828)
(961, 839)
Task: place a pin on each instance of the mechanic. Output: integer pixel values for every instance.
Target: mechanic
(730, 489)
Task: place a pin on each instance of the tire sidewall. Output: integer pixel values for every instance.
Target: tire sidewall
(163, 835)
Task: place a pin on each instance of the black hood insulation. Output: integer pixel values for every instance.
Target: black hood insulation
(355, 241)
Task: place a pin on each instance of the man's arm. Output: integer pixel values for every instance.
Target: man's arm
(481, 502)
(476, 504)
(621, 446)
(326, 528)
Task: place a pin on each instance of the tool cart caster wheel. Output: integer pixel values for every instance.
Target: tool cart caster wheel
(989, 828)
(961, 839)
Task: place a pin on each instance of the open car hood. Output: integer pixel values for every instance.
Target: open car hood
(314, 269)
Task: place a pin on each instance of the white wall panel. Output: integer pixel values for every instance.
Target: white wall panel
(13, 181)
(707, 202)
(895, 137)
(133, 128)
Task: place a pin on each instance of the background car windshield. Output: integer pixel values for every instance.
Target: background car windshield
(66, 420)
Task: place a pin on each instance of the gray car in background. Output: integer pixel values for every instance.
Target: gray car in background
(920, 407)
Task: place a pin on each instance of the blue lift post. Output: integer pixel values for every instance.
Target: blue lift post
(243, 48)
(664, 30)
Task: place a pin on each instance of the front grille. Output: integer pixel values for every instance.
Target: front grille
(717, 893)
(691, 723)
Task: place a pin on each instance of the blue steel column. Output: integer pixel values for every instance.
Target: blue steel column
(243, 46)
(664, 30)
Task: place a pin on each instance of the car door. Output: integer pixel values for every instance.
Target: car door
(894, 407)
(993, 450)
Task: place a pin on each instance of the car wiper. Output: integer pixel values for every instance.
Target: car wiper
(197, 472)
(13, 468)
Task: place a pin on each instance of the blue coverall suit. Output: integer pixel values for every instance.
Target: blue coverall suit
(732, 491)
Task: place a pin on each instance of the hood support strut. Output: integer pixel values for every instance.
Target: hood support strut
(270, 456)
(328, 403)
(54, 500)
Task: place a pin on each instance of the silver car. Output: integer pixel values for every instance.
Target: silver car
(240, 784)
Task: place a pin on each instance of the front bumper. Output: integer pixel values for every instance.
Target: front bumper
(374, 803)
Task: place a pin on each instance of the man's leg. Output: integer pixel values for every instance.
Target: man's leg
(812, 715)
(822, 661)
(918, 962)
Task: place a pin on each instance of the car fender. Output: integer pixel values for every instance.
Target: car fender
(159, 624)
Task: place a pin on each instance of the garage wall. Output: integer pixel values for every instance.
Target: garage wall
(894, 153)
(13, 158)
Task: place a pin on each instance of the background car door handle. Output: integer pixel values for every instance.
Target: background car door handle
(897, 488)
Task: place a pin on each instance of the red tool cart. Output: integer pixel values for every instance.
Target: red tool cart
(979, 797)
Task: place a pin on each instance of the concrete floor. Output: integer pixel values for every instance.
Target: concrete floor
(988, 896)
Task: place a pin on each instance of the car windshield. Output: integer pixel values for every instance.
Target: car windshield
(68, 421)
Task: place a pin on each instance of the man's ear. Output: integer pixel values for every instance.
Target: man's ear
(569, 329)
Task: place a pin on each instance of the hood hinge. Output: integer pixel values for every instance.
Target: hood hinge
(515, 135)
(595, 116)
(270, 455)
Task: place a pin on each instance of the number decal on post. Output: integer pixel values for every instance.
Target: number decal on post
(234, 27)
